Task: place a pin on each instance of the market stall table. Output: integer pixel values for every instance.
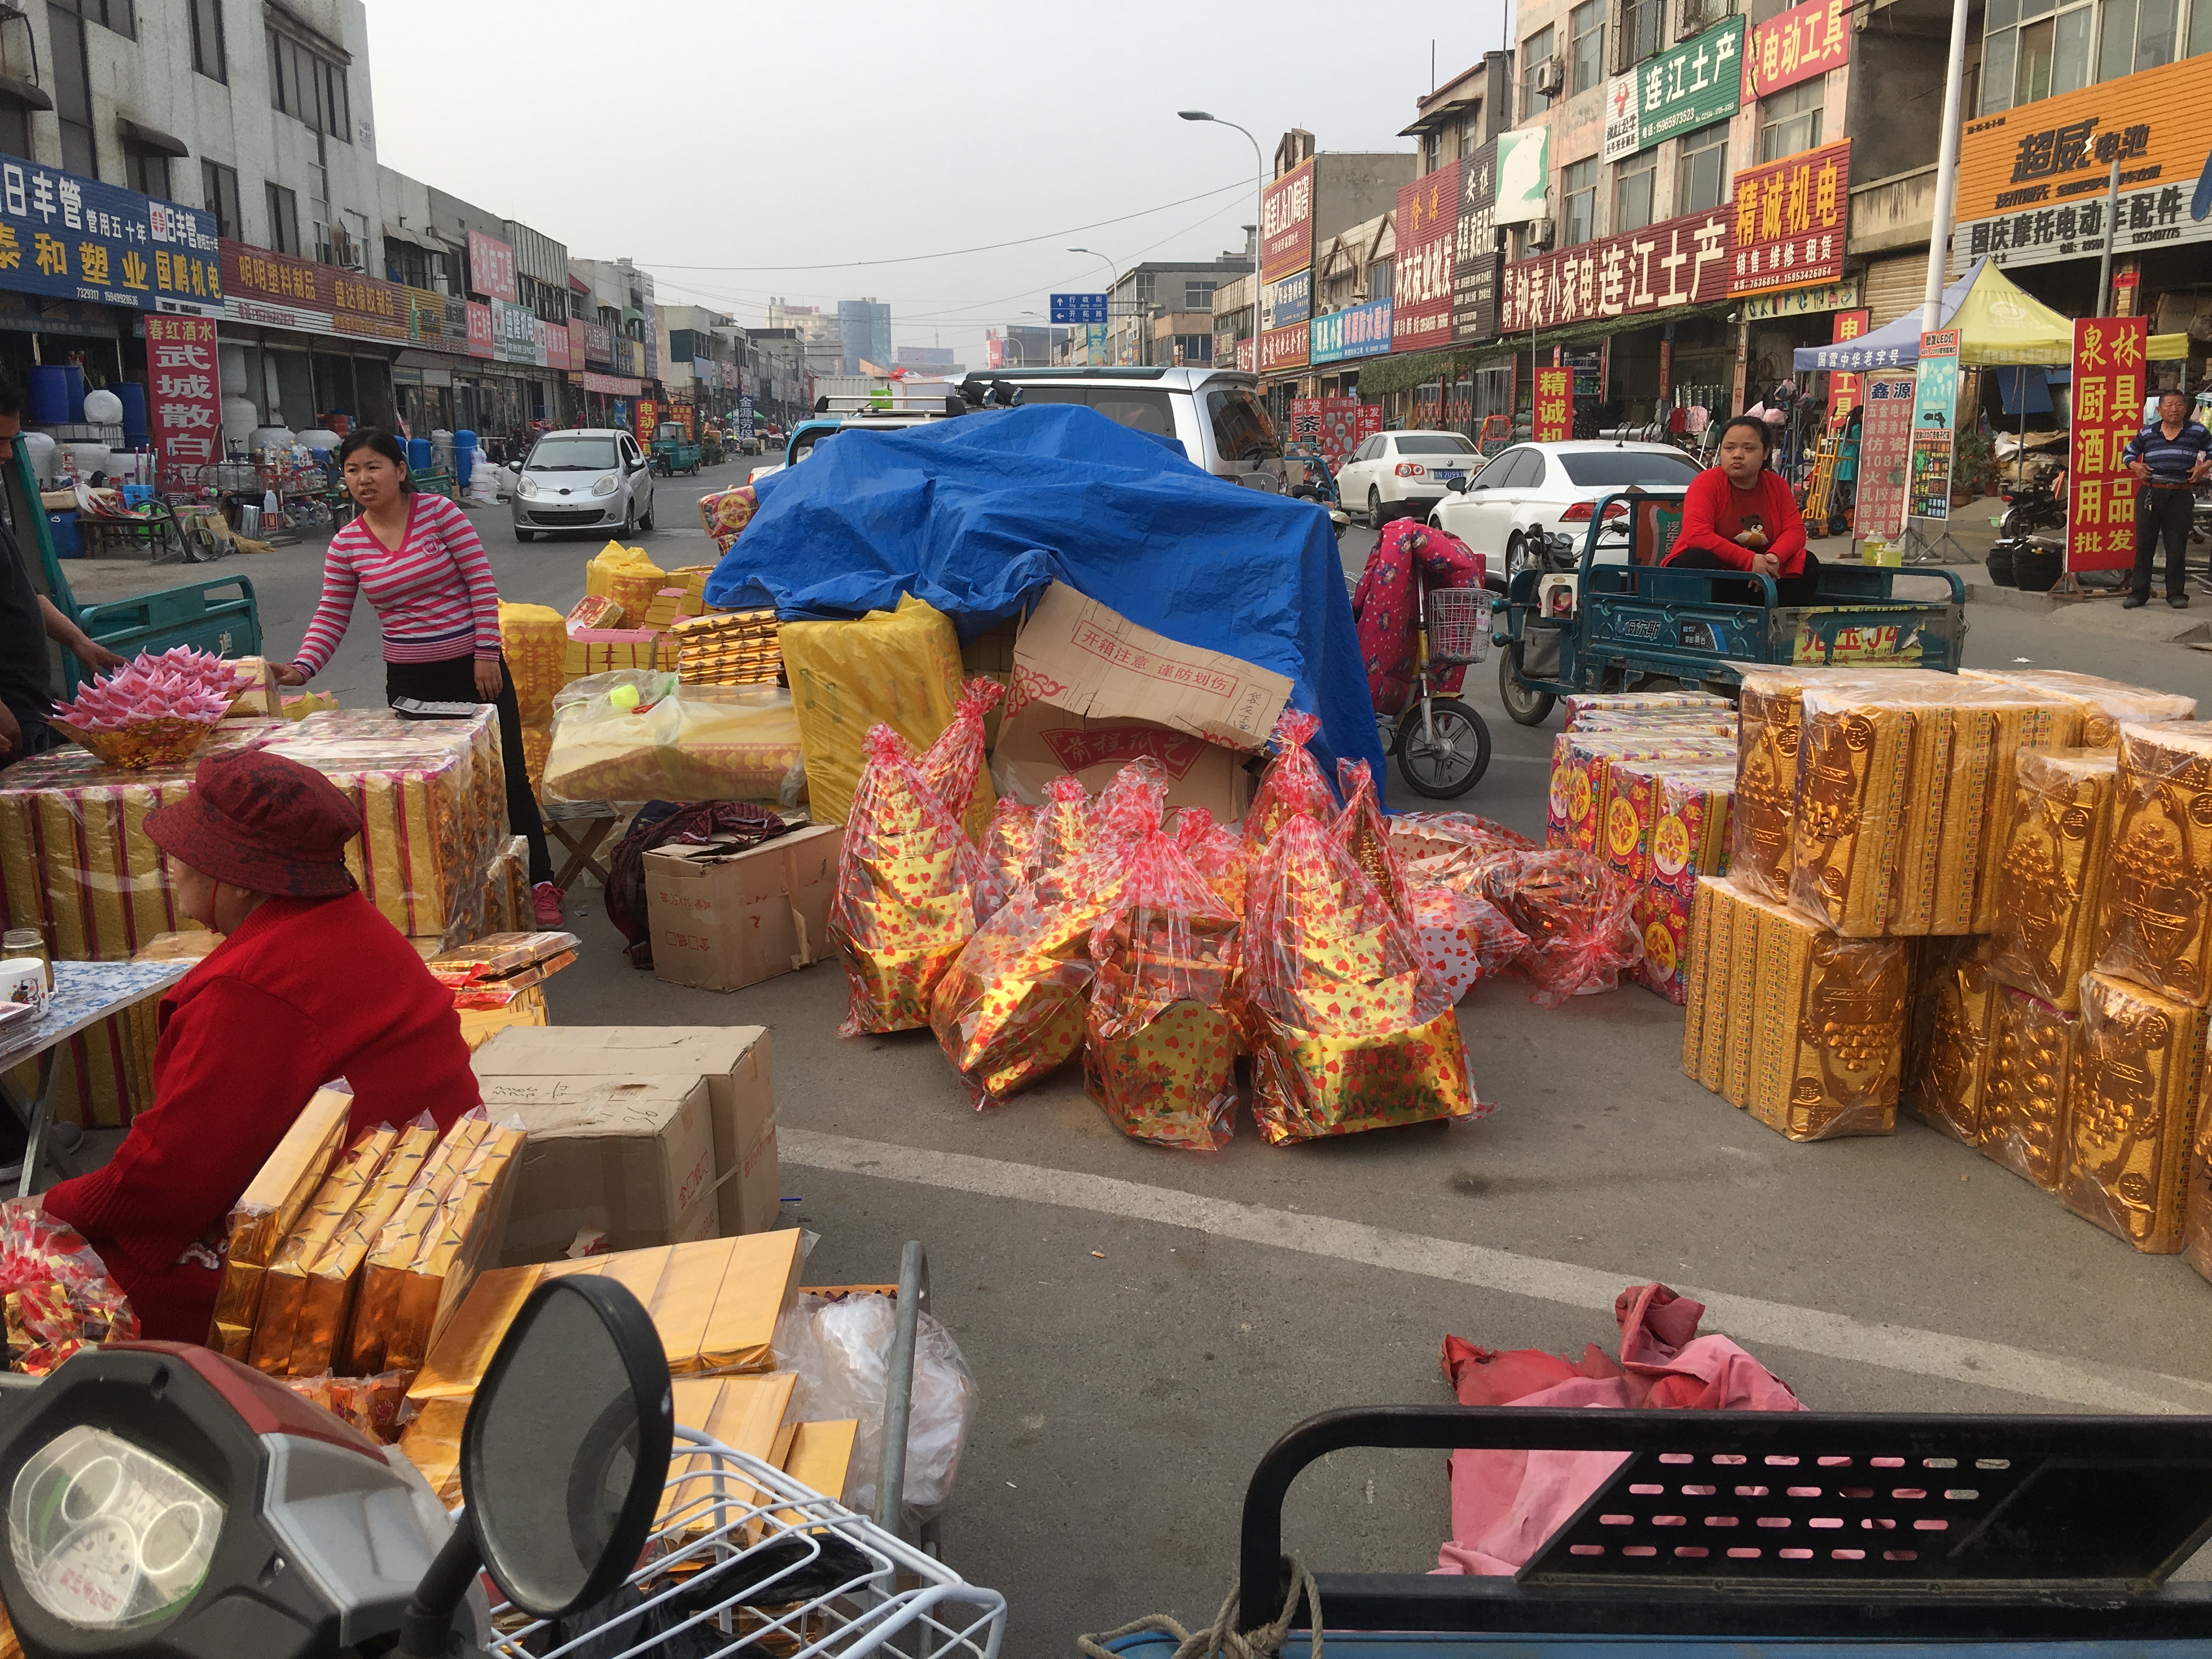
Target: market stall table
(85, 994)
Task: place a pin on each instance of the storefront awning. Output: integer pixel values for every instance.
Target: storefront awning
(29, 94)
(137, 132)
(418, 238)
(1438, 116)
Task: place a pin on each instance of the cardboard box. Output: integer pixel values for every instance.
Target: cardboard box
(724, 917)
(741, 1092)
(1039, 741)
(632, 1156)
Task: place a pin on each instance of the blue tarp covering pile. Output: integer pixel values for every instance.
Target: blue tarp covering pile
(976, 515)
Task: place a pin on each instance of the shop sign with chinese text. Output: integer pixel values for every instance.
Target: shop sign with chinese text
(1800, 301)
(647, 415)
(1844, 388)
(1361, 331)
(1790, 220)
(598, 344)
(1691, 86)
(2032, 181)
(280, 290)
(1679, 262)
(1621, 127)
(1284, 348)
(2108, 394)
(1286, 223)
(1934, 401)
(185, 404)
(1476, 258)
(480, 331)
(73, 238)
(1885, 456)
(1555, 405)
(1797, 45)
(514, 334)
(1290, 300)
(1330, 424)
(491, 268)
(1428, 242)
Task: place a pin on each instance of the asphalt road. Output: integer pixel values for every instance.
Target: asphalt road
(1142, 1323)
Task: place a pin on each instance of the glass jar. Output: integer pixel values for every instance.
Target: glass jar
(28, 942)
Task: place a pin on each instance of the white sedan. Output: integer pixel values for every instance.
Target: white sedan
(1556, 487)
(1393, 473)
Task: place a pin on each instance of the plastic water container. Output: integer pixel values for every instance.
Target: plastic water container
(73, 378)
(49, 395)
(103, 408)
(41, 446)
(62, 527)
(465, 456)
(135, 434)
(418, 454)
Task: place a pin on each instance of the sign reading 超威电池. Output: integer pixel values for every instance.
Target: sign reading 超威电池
(2033, 180)
(1428, 241)
(1678, 262)
(1934, 401)
(1693, 85)
(1362, 331)
(73, 238)
(1476, 258)
(2107, 399)
(1791, 220)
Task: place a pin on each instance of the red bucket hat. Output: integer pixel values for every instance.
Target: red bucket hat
(262, 823)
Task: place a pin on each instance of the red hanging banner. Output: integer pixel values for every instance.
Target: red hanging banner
(2108, 395)
(1555, 416)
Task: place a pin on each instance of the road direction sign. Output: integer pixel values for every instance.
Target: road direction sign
(1079, 307)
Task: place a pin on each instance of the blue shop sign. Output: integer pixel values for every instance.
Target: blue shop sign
(74, 238)
(1362, 331)
(1289, 301)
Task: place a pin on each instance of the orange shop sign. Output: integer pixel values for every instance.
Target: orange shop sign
(1791, 219)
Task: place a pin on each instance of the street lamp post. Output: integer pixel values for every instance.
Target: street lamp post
(1112, 278)
(1259, 235)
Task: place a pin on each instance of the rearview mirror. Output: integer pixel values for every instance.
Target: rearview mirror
(564, 1456)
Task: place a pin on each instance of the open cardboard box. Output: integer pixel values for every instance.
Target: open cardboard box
(724, 916)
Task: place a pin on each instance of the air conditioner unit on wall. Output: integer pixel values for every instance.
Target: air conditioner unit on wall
(1542, 232)
(1550, 77)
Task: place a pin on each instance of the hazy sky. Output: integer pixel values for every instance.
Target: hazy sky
(709, 138)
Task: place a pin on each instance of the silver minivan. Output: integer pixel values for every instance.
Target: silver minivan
(1216, 414)
(590, 478)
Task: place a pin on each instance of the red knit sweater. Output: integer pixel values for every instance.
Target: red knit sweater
(1712, 520)
(305, 991)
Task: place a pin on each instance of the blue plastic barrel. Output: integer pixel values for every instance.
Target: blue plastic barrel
(418, 454)
(465, 456)
(62, 527)
(73, 378)
(49, 395)
(134, 435)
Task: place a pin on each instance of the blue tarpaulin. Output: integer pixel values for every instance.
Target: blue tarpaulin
(976, 515)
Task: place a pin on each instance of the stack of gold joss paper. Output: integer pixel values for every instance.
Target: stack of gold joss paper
(2131, 1111)
(269, 1209)
(2156, 909)
(2024, 1093)
(492, 971)
(2196, 1202)
(536, 643)
(1799, 1026)
(731, 647)
(2044, 921)
(1350, 1033)
(2105, 705)
(908, 883)
(1953, 1034)
(1770, 726)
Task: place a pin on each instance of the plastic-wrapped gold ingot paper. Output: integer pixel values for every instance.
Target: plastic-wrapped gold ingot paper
(283, 1287)
(2104, 705)
(1011, 1008)
(1172, 1081)
(2024, 1096)
(1697, 954)
(1307, 1085)
(272, 1202)
(2043, 919)
(376, 1305)
(1956, 997)
(2132, 1109)
(1738, 1022)
(1829, 1032)
(475, 1210)
(2154, 918)
(2196, 1203)
(326, 1300)
(1769, 727)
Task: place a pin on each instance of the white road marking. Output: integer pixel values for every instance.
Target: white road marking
(1750, 1320)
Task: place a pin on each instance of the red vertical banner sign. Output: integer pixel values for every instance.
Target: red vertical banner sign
(648, 415)
(1885, 456)
(184, 406)
(2108, 394)
(1843, 387)
(1370, 423)
(1554, 418)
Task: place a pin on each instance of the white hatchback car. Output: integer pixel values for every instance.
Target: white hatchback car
(1556, 487)
(1392, 473)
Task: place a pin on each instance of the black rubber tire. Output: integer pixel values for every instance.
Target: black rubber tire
(1517, 544)
(629, 521)
(522, 535)
(1374, 508)
(646, 523)
(1523, 705)
(1464, 724)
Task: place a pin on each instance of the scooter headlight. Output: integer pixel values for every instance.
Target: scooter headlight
(107, 1536)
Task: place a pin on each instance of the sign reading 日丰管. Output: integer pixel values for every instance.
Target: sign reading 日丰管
(74, 238)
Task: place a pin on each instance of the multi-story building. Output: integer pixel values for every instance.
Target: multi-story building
(1178, 292)
(786, 384)
(864, 326)
(819, 331)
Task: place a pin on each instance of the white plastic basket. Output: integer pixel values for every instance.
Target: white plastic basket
(1459, 624)
(746, 1561)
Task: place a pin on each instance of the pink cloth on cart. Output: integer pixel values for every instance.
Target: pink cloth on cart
(1505, 1503)
(1382, 605)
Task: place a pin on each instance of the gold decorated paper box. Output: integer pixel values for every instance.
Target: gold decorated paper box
(2196, 1203)
(2105, 705)
(1582, 767)
(1769, 724)
(1954, 1012)
(2024, 1096)
(2043, 920)
(2131, 1111)
(1697, 957)
(2154, 907)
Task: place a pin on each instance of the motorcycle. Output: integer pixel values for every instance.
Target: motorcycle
(163, 1500)
(1318, 485)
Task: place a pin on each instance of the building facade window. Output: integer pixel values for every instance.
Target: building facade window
(1432, 150)
(283, 219)
(72, 89)
(208, 55)
(2033, 49)
(1789, 121)
(1586, 45)
(1635, 185)
(1578, 200)
(1382, 279)
(2137, 35)
(121, 16)
(1701, 171)
(1198, 296)
(147, 171)
(1534, 50)
(309, 87)
(1642, 25)
(219, 196)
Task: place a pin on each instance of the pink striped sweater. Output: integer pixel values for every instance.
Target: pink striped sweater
(435, 594)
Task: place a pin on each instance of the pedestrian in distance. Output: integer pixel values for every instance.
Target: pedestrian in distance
(417, 558)
(2169, 457)
(1739, 514)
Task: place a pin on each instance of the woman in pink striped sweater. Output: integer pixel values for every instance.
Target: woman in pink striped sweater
(419, 560)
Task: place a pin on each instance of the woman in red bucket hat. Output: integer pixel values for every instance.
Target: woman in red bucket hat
(309, 985)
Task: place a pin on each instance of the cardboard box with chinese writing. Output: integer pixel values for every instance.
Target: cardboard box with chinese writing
(733, 1059)
(726, 916)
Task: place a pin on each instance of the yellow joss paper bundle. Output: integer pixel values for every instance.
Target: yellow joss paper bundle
(1011, 1009)
(2045, 917)
(1954, 1016)
(283, 1287)
(1350, 1031)
(2105, 705)
(2132, 1109)
(909, 884)
(2024, 1096)
(326, 1300)
(2155, 903)
(953, 765)
(267, 1211)
(2196, 1203)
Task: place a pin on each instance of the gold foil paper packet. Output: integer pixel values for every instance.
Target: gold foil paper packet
(2024, 1095)
(1954, 1009)
(270, 1207)
(2131, 1111)
(283, 1287)
(376, 1305)
(2106, 705)
(2043, 920)
(2154, 907)
(326, 1302)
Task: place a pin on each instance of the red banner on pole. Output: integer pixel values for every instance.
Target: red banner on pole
(185, 405)
(1555, 412)
(2108, 394)
(1842, 386)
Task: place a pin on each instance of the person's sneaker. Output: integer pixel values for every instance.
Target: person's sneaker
(2178, 601)
(2133, 600)
(547, 898)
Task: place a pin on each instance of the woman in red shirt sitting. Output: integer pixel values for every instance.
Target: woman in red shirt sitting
(1737, 515)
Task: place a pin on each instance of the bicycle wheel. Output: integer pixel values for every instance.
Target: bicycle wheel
(1451, 757)
(1525, 705)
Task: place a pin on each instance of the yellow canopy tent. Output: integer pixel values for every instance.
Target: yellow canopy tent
(1998, 325)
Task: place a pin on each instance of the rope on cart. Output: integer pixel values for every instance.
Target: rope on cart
(1219, 1640)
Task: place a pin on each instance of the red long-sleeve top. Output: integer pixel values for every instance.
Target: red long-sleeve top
(305, 991)
(1713, 514)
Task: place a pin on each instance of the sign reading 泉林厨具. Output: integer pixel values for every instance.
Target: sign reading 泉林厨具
(2107, 407)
